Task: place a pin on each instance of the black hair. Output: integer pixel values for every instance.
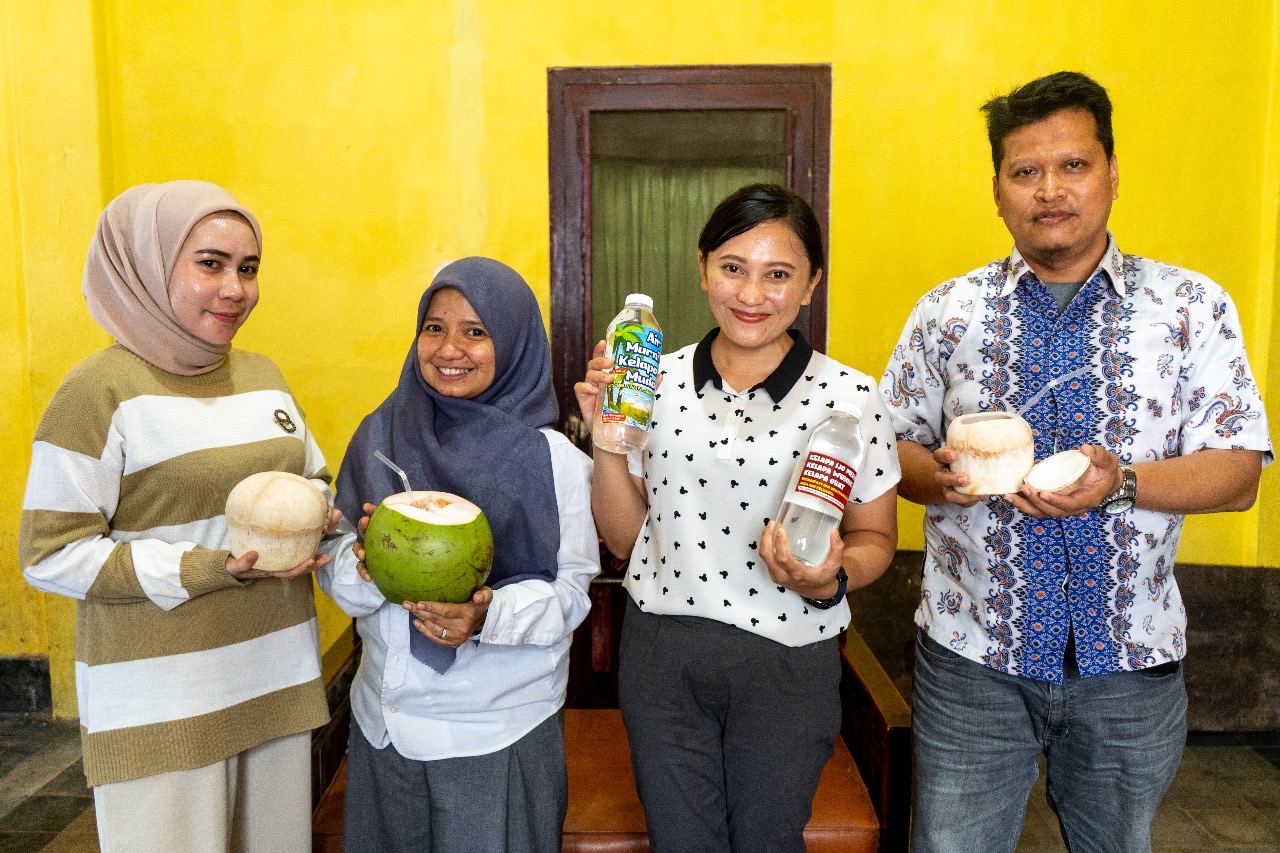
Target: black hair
(754, 204)
(1041, 98)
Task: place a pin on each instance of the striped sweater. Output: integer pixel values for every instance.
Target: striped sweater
(178, 664)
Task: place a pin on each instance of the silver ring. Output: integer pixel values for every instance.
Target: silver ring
(444, 632)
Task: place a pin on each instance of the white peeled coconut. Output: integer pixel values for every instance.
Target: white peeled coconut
(279, 515)
(428, 546)
(1057, 472)
(996, 450)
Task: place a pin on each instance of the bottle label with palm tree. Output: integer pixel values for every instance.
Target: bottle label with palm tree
(628, 398)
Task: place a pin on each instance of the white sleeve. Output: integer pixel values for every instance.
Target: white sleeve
(66, 547)
(340, 580)
(539, 612)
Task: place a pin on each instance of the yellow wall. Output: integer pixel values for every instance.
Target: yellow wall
(1266, 357)
(376, 139)
(51, 170)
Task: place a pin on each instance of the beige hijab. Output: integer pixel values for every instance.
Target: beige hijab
(126, 276)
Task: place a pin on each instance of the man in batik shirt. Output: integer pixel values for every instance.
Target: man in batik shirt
(1050, 622)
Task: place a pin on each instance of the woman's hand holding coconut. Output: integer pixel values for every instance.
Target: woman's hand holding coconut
(358, 550)
(448, 624)
(241, 568)
(443, 623)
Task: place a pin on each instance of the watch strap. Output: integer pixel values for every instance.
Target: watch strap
(843, 579)
(1122, 498)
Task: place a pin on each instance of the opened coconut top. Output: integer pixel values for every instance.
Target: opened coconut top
(440, 508)
(1057, 471)
(988, 433)
(277, 502)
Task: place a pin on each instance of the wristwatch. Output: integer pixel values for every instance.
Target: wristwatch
(835, 599)
(1121, 500)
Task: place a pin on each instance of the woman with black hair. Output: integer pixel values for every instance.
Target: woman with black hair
(729, 670)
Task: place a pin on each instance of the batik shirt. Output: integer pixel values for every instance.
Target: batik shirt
(1146, 361)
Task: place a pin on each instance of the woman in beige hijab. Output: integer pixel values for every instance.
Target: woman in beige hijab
(197, 674)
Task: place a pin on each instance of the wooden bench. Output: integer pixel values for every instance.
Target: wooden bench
(873, 758)
(605, 814)
(877, 730)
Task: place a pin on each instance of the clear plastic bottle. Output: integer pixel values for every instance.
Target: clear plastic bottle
(634, 342)
(819, 489)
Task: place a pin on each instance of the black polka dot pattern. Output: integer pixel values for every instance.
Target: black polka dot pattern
(716, 467)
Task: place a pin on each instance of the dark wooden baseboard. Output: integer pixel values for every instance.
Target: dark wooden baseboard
(1233, 647)
(24, 685)
(329, 742)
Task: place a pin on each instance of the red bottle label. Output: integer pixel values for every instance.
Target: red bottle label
(826, 478)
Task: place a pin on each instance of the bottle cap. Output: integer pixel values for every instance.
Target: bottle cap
(846, 407)
(640, 299)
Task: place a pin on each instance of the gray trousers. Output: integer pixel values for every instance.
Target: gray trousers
(729, 732)
(510, 801)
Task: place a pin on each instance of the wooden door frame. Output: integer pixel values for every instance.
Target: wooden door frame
(804, 91)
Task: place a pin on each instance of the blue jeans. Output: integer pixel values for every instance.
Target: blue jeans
(1112, 742)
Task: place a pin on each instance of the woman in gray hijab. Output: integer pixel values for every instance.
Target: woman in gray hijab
(197, 674)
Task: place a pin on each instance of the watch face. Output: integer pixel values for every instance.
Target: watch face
(1118, 506)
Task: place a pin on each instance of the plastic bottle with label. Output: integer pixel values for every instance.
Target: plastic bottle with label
(819, 489)
(634, 342)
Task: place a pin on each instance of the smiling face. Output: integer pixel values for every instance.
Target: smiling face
(1054, 191)
(455, 352)
(214, 284)
(756, 283)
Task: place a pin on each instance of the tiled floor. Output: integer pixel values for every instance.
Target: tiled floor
(1226, 795)
(42, 788)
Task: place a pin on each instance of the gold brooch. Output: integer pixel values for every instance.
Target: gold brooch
(284, 421)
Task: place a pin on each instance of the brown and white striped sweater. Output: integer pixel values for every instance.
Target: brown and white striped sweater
(178, 664)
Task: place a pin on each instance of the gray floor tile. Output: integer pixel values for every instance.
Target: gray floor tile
(44, 814)
(1175, 828)
(30, 769)
(1271, 753)
(1238, 825)
(23, 842)
(69, 783)
(80, 837)
(1225, 797)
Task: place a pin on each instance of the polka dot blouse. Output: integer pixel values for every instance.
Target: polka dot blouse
(715, 469)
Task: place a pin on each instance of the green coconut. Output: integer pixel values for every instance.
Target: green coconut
(428, 546)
